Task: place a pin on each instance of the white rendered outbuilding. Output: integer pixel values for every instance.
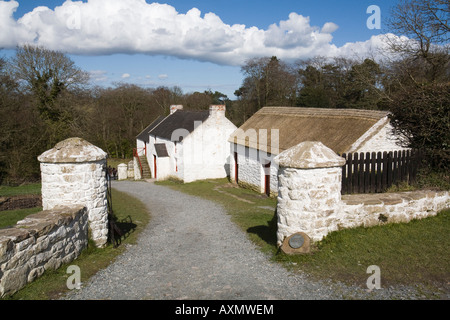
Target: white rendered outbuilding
(188, 145)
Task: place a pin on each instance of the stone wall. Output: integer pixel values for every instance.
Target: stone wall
(310, 201)
(309, 191)
(374, 209)
(42, 241)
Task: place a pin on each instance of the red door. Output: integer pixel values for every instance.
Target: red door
(267, 179)
(236, 168)
(154, 166)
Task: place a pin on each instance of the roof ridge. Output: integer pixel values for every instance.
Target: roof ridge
(327, 112)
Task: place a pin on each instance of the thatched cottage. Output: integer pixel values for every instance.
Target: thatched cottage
(273, 130)
(188, 145)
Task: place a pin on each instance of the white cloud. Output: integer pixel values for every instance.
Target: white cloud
(329, 27)
(101, 27)
(98, 75)
(126, 75)
(163, 76)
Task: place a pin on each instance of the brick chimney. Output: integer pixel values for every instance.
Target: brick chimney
(175, 107)
(217, 111)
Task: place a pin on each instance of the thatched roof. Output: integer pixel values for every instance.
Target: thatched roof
(338, 129)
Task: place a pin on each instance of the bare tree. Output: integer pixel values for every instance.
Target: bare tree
(426, 46)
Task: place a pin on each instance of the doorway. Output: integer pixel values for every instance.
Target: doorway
(236, 168)
(154, 166)
(267, 179)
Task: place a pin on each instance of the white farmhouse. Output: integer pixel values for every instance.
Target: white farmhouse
(273, 130)
(188, 145)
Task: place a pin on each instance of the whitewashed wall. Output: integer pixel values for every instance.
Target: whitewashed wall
(74, 173)
(202, 154)
(251, 167)
(379, 138)
(309, 192)
(206, 151)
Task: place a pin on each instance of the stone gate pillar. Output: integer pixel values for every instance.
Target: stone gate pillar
(309, 191)
(73, 172)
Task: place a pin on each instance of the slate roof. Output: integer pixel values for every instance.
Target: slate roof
(144, 135)
(178, 120)
(338, 129)
(164, 126)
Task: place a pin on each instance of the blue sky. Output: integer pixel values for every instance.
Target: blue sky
(196, 49)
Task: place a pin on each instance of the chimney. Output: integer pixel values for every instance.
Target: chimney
(217, 111)
(175, 107)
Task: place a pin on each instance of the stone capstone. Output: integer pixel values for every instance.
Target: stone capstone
(74, 173)
(309, 154)
(73, 150)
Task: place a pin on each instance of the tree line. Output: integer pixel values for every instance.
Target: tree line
(45, 97)
(411, 79)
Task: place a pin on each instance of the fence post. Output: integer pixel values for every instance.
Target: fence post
(344, 175)
(373, 182)
(361, 173)
(355, 173)
(350, 173)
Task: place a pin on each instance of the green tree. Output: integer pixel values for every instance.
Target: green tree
(422, 116)
(267, 81)
(20, 132)
(339, 83)
(52, 80)
(46, 74)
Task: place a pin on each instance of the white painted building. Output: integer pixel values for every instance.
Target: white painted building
(188, 145)
(273, 130)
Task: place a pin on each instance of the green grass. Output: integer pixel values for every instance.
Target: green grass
(30, 188)
(114, 162)
(10, 217)
(407, 253)
(132, 216)
(414, 253)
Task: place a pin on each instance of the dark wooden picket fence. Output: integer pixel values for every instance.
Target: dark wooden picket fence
(375, 172)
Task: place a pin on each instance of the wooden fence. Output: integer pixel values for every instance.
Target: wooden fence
(375, 172)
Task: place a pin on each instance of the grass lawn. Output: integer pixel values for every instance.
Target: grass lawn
(10, 217)
(414, 253)
(30, 188)
(114, 162)
(132, 215)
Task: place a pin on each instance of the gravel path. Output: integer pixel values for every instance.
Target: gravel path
(191, 250)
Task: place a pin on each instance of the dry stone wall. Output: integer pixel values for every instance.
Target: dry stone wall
(374, 209)
(42, 241)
